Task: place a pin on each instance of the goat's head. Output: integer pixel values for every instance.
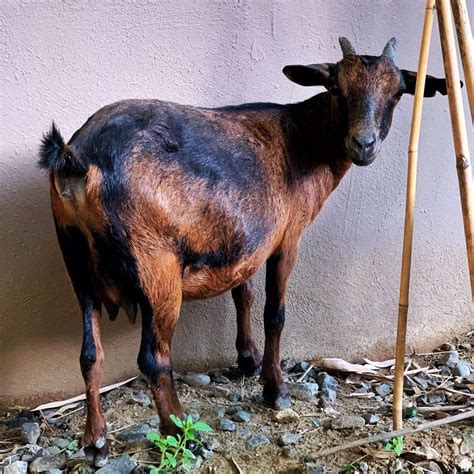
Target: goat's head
(364, 91)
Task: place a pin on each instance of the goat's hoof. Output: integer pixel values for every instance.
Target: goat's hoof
(249, 364)
(277, 397)
(97, 456)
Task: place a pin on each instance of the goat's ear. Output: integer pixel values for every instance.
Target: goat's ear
(432, 85)
(311, 75)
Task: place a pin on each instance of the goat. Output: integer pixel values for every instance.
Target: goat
(156, 202)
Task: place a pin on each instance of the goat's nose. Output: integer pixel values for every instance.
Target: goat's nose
(364, 142)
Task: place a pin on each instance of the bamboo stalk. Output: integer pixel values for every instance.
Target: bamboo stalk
(461, 146)
(466, 47)
(409, 214)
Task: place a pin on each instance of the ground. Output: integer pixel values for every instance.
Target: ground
(438, 385)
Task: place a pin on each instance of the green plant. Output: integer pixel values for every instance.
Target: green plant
(395, 445)
(73, 446)
(352, 466)
(173, 450)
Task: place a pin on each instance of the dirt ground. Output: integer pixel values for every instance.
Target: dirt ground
(433, 390)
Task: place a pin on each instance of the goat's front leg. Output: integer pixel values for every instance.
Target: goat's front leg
(249, 359)
(279, 267)
(160, 311)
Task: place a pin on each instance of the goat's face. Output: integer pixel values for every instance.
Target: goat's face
(364, 92)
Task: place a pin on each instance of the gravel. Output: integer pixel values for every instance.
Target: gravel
(289, 438)
(227, 425)
(244, 433)
(344, 422)
(46, 463)
(241, 416)
(462, 369)
(255, 441)
(197, 380)
(304, 391)
(137, 432)
(17, 467)
(30, 432)
(324, 380)
(451, 359)
(383, 389)
(120, 465)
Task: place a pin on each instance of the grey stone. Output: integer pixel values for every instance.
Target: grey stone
(451, 359)
(30, 432)
(288, 364)
(302, 366)
(244, 433)
(140, 398)
(241, 416)
(51, 451)
(220, 412)
(206, 453)
(343, 422)
(383, 389)
(62, 443)
(313, 468)
(325, 380)
(289, 438)
(120, 465)
(137, 432)
(197, 380)
(194, 415)
(436, 398)
(316, 422)
(138, 445)
(371, 419)
(290, 452)
(55, 471)
(423, 383)
(255, 441)
(363, 466)
(470, 378)
(462, 369)
(17, 467)
(76, 458)
(45, 463)
(212, 444)
(198, 462)
(222, 379)
(154, 421)
(234, 397)
(465, 464)
(226, 425)
(328, 394)
(303, 391)
(431, 453)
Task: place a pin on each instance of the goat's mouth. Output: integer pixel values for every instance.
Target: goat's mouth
(364, 161)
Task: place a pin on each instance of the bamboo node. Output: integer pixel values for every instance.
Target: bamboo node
(463, 162)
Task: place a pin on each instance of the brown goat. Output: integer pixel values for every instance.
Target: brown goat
(154, 202)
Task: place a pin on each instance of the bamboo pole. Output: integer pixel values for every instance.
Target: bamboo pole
(466, 47)
(409, 214)
(463, 161)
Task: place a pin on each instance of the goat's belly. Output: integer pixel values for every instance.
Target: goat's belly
(199, 283)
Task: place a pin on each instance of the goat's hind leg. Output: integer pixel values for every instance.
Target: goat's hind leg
(249, 359)
(76, 256)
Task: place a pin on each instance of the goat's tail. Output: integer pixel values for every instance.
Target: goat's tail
(56, 157)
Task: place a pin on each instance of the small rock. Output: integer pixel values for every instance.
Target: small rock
(286, 416)
(316, 422)
(465, 464)
(255, 441)
(220, 412)
(138, 445)
(363, 466)
(206, 453)
(371, 419)
(33, 448)
(302, 366)
(290, 452)
(431, 453)
(313, 468)
(137, 432)
(303, 391)
(383, 389)
(120, 465)
(234, 397)
(244, 433)
(462, 369)
(194, 415)
(289, 438)
(154, 421)
(212, 444)
(30, 432)
(423, 383)
(55, 471)
(17, 467)
(51, 451)
(222, 379)
(241, 416)
(451, 359)
(139, 398)
(436, 398)
(45, 463)
(343, 422)
(328, 394)
(226, 425)
(470, 378)
(288, 364)
(324, 380)
(196, 380)
(62, 443)
(198, 462)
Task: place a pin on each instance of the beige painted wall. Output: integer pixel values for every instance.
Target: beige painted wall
(64, 60)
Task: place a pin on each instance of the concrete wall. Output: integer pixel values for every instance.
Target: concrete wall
(65, 59)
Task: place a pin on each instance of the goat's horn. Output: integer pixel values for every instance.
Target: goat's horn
(390, 48)
(346, 46)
